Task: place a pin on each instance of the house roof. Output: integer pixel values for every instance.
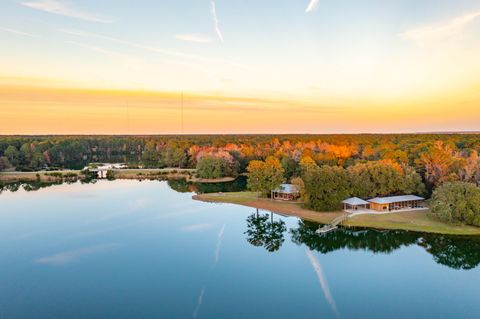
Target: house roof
(394, 199)
(354, 201)
(286, 188)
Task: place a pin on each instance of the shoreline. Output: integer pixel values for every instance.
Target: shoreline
(141, 173)
(417, 221)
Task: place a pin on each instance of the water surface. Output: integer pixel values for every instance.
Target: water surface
(130, 249)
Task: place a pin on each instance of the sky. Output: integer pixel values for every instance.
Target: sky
(244, 66)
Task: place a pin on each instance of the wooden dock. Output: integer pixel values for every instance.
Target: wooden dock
(333, 224)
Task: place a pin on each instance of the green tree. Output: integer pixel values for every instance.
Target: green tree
(12, 154)
(326, 187)
(290, 166)
(210, 167)
(456, 202)
(38, 160)
(264, 176)
(380, 178)
(26, 153)
(4, 163)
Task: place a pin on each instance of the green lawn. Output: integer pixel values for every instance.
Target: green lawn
(416, 221)
(233, 197)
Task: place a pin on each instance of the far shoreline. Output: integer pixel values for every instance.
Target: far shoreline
(137, 173)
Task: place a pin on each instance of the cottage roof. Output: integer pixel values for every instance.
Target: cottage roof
(286, 189)
(355, 201)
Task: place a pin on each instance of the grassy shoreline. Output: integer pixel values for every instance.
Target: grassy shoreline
(413, 221)
(142, 173)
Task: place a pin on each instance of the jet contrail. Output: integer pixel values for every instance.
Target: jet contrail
(323, 280)
(199, 303)
(219, 243)
(312, 6)
(215, 21)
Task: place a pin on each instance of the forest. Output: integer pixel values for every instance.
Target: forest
(363, 165)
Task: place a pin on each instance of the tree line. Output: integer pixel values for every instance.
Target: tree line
(327, 168)
(438, 158)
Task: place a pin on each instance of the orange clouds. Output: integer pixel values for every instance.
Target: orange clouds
(46, 110)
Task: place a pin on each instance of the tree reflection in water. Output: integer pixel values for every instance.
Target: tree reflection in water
(454, 252)
(458, 252)
(262, 230)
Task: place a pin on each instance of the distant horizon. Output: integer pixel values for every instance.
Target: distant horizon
(248, 134)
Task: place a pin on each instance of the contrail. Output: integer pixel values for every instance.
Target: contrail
(26, 34)
(323, 280)
(219, 243)
(312, 6)
(215, 21)
(199, 303)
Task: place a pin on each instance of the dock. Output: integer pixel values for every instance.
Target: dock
(333, 224)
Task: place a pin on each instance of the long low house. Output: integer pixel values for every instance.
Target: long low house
(384, 204)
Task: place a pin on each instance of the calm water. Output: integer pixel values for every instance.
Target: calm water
(129, 249)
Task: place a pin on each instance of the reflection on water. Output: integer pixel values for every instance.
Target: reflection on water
(179, 185)
(182, 186)
(322, 279)
(37, 185)
(147, 251)
(263, 231)
(458, 252)
(454, 252)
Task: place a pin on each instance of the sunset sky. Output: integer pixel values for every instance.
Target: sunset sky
(245, 66)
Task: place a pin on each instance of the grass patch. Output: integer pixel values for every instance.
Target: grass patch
(415, 221)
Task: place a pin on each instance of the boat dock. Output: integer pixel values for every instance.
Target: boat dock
(333, 224)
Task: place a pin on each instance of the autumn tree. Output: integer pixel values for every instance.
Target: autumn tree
(436, 162)
(264, 176)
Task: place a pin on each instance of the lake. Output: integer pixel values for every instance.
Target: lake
(131, 249)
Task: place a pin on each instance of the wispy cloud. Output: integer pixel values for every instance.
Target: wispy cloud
(25, 34)
(196, 227)
(64, 9)
(198, 38)
(440, 31)
(125, 60)
(312, 6)
(139, 203)
(199, 303)
(317, 267)
(66, 257)
(219, 244)
(162, 51)
(216, 23)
